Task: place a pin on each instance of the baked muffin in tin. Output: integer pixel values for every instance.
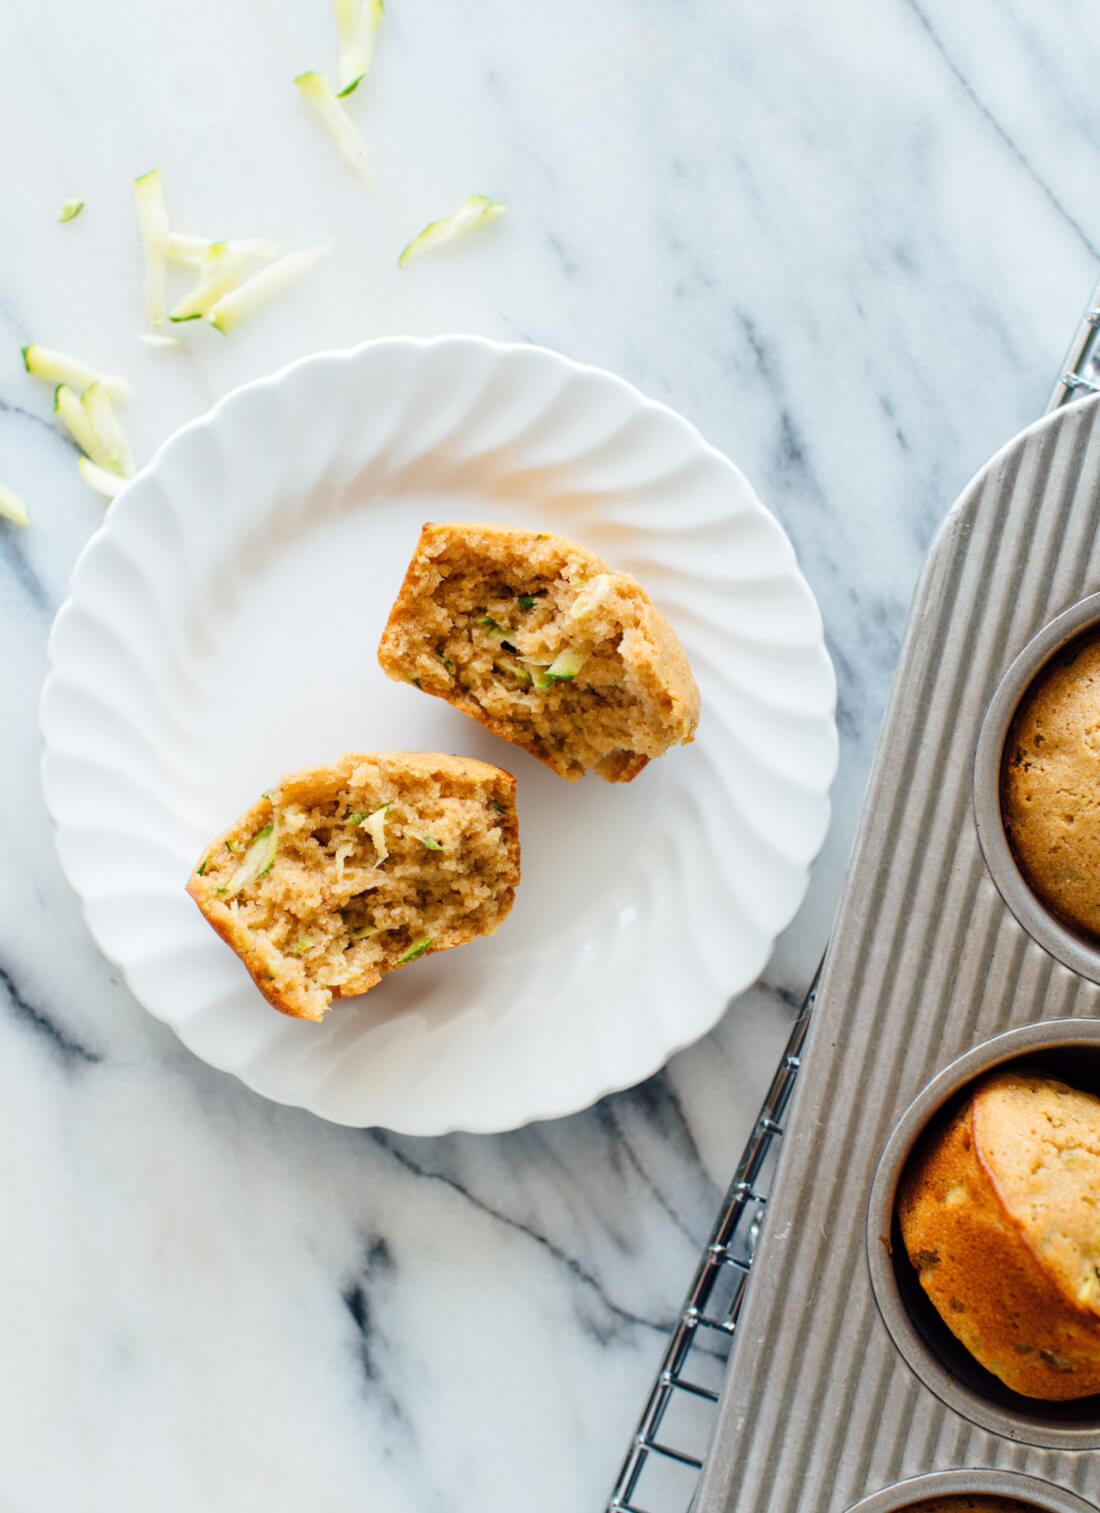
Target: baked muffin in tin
(999, 1209)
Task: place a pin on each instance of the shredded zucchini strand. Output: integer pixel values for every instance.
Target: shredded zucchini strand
(99, 479)
(223, 273)
(59, 368)
(104, 421)
(12, 507)
(356, 24)
(475, 210)
(261, 287)
(155, 235)
(317, 92)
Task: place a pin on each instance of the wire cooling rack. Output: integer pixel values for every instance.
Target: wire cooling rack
(661, 1470)
(1080, 373)
(662, 1465)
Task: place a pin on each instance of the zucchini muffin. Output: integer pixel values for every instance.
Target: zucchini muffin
(341, 874)
(538, 639)
(1000, 1214)
(1050, 787)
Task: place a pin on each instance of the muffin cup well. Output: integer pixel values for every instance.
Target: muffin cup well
(1073, 950)
(1066, 1048)
(1041, 1495)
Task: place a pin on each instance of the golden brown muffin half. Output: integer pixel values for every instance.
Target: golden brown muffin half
(340, 874)
(535, 637)
(1050, 788)
(1000, 1214)
(971, 1502)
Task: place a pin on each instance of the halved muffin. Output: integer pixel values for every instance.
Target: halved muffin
(340, 874)
(538, 639)
(1000, 1214)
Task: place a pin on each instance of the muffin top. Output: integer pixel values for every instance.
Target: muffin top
(1039, 1142)
(1051, 786)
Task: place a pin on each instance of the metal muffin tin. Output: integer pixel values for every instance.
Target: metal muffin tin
(840, 1388)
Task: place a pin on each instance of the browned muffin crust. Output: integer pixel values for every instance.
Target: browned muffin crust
(1050, 787)
(1000, 1214)
(537, 639)
(340, 874)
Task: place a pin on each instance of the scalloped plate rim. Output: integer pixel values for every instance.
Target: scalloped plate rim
(210, 419)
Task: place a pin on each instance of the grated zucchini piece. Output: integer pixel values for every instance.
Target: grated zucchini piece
(317, 92)
(567, 664)
(12, 507)
(70, 210)
(72, 413)
(356, 24)
(59, 368)
(193, 251)
(262, 247)
(507, 664)
(155, 235)
(262, 286)
(158, 340)
(223, 273)
(99, 479)
(375, 826)
(258, 861)
(105, 423)
(475, 210)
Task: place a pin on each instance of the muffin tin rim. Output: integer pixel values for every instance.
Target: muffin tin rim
(1058, 940)
(1009, 1045)
(1044, 1496)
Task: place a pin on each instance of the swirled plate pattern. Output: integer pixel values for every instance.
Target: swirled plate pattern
(221, 630)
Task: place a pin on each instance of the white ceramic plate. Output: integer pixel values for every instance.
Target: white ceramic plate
(222, 629)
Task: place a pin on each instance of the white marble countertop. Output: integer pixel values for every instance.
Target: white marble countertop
(850, 243)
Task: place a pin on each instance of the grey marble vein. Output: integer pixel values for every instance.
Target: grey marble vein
(988, 115)
(573, 1266)
(70, 1049)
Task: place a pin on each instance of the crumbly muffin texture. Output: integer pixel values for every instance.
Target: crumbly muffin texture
(341, 874)
(971, 1502)
(1000, 1214)
(538, 639)
(1051, 787)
